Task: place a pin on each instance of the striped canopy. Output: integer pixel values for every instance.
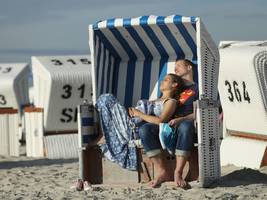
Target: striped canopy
(132, 55)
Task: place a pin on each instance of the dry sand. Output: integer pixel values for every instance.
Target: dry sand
(26, 178)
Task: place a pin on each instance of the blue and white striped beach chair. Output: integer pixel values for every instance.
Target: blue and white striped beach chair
(130, 56)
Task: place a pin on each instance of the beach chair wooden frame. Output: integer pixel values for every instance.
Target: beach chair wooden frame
(131, 56)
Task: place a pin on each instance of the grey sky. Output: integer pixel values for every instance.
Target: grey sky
(38, 27)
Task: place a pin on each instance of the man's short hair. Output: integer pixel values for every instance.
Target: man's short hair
(186, 61)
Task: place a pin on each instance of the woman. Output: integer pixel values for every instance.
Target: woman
(117, 126)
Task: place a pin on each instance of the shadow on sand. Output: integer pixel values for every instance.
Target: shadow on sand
(32, 163)
(243, 177)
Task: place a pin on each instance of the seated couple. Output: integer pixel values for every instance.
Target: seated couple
(175, 107)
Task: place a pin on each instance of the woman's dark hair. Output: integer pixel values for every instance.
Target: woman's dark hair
(180, 88)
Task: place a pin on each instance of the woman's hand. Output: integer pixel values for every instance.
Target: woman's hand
(134, 112)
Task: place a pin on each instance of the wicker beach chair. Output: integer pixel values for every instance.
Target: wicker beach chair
(243, 93)
(130, 57)
(13, 98)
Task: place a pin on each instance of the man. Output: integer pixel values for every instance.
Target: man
(184, 121)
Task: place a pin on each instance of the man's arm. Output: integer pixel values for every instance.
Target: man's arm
(178, 120)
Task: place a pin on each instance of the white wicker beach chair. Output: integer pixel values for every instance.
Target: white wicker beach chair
(243, 92)
(13, 97)
(131, 56)
(60, 83)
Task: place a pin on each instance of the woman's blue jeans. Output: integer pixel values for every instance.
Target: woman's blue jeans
(149, 135)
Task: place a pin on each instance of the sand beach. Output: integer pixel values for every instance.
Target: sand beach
(27, 178)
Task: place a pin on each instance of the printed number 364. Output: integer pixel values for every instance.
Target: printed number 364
(235, 93)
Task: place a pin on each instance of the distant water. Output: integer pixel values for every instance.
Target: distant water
(24, 55)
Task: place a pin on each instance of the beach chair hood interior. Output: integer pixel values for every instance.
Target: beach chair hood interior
(130, 57)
